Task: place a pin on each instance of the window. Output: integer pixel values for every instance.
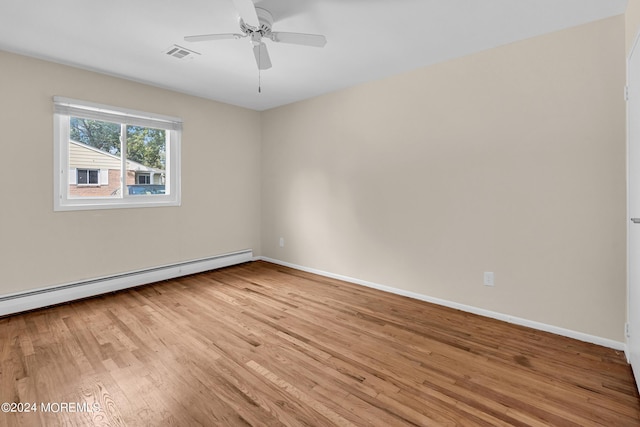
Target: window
(143, 178)
(87, 177)
(108, 157)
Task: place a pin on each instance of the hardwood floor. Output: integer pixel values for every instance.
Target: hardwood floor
(259, 344)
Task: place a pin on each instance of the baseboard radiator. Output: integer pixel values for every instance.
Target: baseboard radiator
(43, 297)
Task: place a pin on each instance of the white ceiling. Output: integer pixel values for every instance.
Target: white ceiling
(366, 39)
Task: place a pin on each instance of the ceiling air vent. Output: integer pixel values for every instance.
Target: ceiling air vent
(180, 52)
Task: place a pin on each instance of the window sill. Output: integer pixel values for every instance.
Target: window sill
(104, 203)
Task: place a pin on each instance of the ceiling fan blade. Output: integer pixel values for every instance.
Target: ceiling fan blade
(314, 40)
(247, 11)
(262, 56)
(208, 37)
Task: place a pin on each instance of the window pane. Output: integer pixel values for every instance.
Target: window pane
(95, 156)
(146, 160)
(83, 175)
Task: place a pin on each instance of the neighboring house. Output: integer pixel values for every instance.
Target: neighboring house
(96, 173)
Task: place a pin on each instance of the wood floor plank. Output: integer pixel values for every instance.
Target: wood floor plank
(259, 344)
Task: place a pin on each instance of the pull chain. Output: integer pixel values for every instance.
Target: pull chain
(259, 70)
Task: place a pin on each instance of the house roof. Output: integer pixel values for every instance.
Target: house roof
(85, 156)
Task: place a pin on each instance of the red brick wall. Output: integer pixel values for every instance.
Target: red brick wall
(102, 190)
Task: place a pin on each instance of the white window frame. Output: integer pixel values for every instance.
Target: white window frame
(65, 108)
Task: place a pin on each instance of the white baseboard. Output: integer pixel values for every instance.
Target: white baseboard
(605, 342)
(43, 297)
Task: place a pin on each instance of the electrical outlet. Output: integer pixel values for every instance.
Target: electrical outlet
(627, 332)
(282, 242)
(488, 278)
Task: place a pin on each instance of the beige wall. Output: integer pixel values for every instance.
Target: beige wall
(511, 160)
(220, 209)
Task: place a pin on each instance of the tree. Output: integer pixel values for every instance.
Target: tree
(146, 146)
(104, 136)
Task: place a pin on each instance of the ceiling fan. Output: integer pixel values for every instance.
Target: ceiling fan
(255, 23)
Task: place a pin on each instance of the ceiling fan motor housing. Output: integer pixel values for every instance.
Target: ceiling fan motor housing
(265, 19)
